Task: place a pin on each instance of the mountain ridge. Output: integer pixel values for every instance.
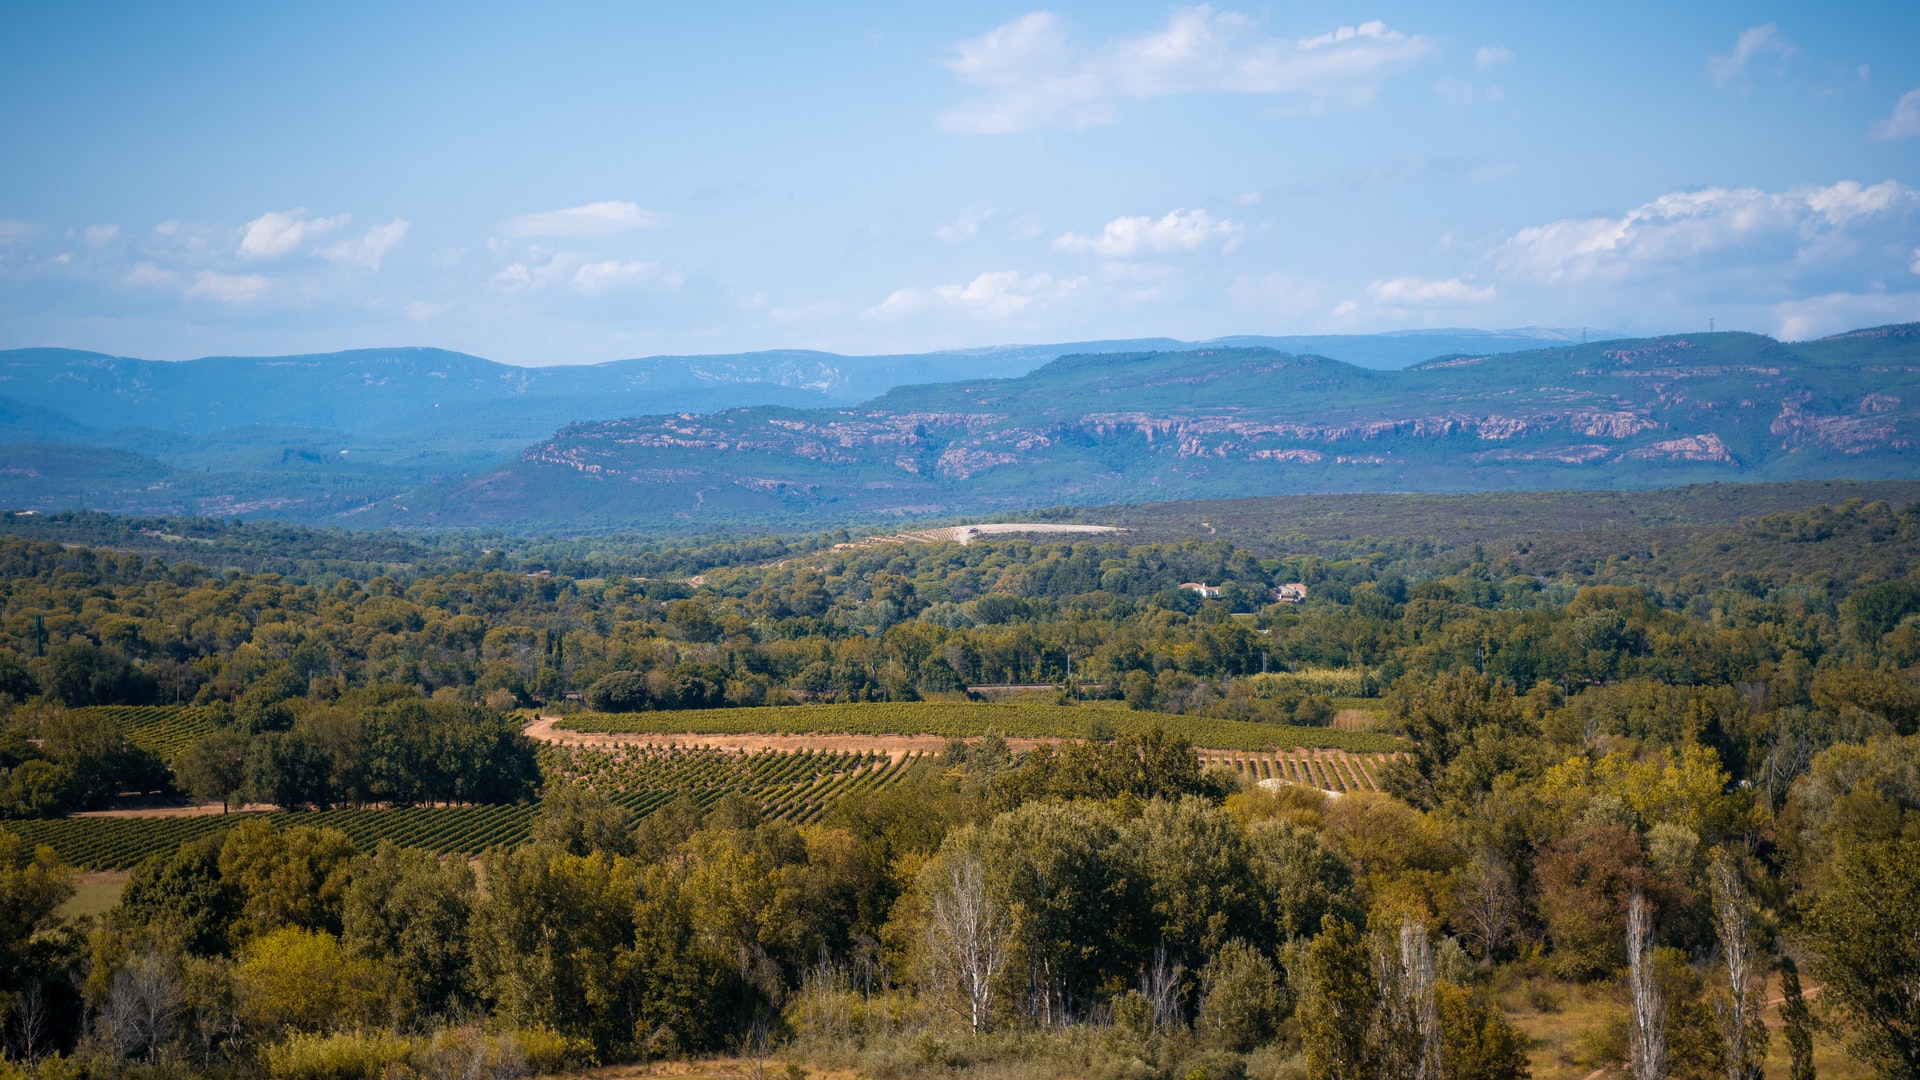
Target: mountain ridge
(1210, 423)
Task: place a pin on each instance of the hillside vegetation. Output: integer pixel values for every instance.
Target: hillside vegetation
(1230, 422)
(1633, 750)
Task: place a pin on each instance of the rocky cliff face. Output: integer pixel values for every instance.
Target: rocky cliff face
(1223, 422)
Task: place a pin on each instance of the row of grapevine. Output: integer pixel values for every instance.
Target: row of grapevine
(969, 719)
(796, 787)
(1328, 770)
(164, 730)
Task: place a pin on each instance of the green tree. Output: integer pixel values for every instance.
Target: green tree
(302, 980)
(215, 768)
(1863, 924)
(286, 877)
(581, 821)
(1479, 1042)
(33, 885)
(409, 910)
(182, 893)
(1241, 1004)
(1339, 1003)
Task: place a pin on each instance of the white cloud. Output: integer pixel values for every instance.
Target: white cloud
(1754, 41)
(1488, 57)
(369, 248)
(1710, 229)
(13, 230)
(146, 274)
(965, 227)
(1904, 122)
(100, 235)
(1033, 75)
(228, 288)
(589, 277)
(593, 219)
(595, 278)
(994, 294)
(1399, 292)
(1179, 230)
(277, 233)
(1817, 316)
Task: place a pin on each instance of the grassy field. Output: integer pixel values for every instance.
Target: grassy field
(972, 719)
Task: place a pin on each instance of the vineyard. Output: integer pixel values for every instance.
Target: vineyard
(1328, 770)
(796, 787)
(165, 730)
(970, 719)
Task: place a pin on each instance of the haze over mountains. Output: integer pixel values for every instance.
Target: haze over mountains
(424, 438)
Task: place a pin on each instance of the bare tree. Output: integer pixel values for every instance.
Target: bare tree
(31, 1007)
(1741, 1026)
(1160, 985)
(1490, 903)
(143, 1002)
(1423, 1006)
(967, 939)
(754, 1048)
(1647, 1049)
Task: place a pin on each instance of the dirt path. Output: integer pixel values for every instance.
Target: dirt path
(189, 810)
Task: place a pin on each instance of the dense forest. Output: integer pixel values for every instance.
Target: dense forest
(1671, 771)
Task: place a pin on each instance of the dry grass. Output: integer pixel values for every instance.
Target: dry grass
(96, 893)
(1556, 1015)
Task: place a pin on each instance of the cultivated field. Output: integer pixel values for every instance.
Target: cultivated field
(943, 720)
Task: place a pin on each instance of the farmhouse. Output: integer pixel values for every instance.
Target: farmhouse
(1291, 593)
(1210, 592)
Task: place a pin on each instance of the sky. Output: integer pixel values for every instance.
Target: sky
(565, 183)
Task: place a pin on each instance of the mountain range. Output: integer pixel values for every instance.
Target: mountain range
(420, 438)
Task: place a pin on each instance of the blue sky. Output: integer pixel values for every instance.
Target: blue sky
(567, 183)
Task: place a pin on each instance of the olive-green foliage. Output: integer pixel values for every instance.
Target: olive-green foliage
(295, 877)
(32, 886)
(1338, 1003)
(1479, 1042)
(580, 821)
(409, 910)
(182, 892)
(1863, 924)
(1241, 1004)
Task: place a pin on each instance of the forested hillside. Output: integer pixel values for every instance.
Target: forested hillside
(314, 437)
(1233, 422)
(1672, 759)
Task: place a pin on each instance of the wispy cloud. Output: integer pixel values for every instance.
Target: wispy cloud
(1032, 74)
(1904, 123)
(227, 288)
(593, 219)
(279, 232)
(369, 248)
(1753, 42)
(1810, 226)
(585, 275)
(965, 227)
(1178, 230)
(994, 294)
(1488, 57)
(1399, 292)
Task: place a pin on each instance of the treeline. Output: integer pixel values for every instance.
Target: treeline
(1107, 909)
(377, 745)
(85, 626)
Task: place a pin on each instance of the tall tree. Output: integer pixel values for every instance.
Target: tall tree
(1647, 1043)
(1739, 1012)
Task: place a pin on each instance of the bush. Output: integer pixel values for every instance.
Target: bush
(346, 1055)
